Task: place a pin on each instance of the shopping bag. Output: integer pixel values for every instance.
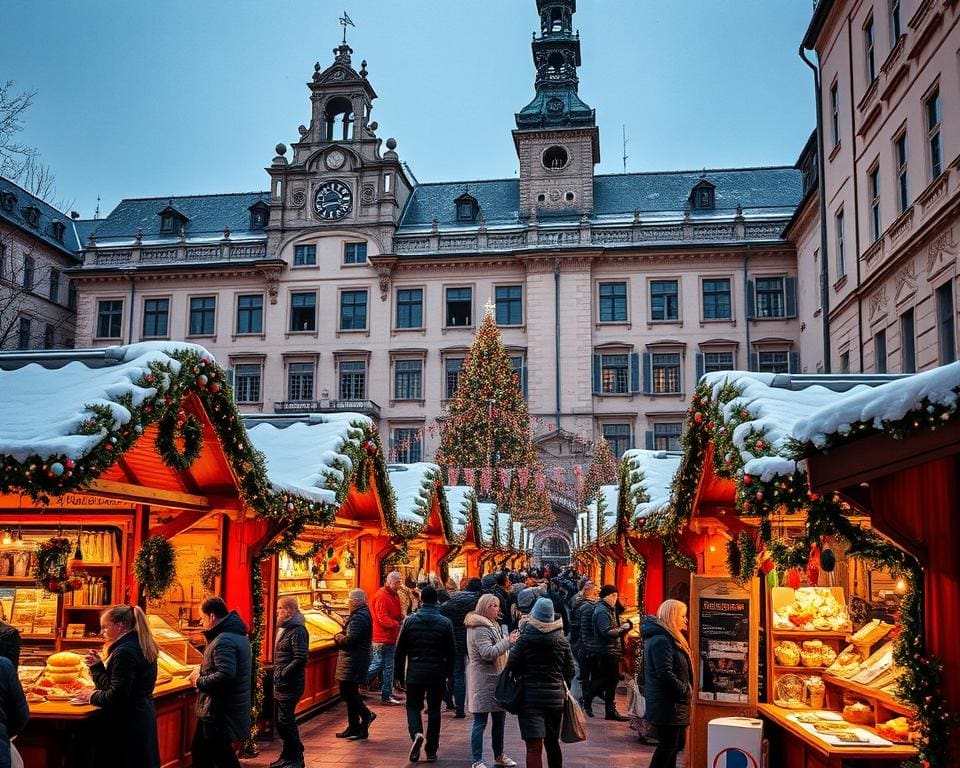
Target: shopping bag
(636, 704)
(573, 726)
(509, 691)
(16, 761)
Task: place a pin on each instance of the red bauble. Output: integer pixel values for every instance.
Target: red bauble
(793, 578)
(698, 417)
(747, 479)
(214, 387)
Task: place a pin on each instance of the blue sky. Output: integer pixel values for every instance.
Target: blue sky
(137, 99)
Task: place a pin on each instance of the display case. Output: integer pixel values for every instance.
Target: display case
(177, 656)
(322, 626)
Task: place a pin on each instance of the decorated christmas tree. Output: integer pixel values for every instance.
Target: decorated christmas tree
(487, 434)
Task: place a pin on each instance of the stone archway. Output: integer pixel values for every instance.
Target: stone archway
(551, 545)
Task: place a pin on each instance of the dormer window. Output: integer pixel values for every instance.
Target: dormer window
(56, 229)
(168, 223)
(171, 221)
(8, 200)
(702, 197)
(259, 215)
(32, 215)
(467, 207)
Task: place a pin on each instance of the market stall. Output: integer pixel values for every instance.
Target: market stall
(491, 546)
(109, 459)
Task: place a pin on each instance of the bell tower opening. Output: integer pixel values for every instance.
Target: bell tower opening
(338, 120)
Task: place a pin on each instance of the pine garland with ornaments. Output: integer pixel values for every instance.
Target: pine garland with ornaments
(51, 571)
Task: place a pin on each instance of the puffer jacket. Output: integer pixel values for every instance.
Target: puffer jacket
(456, 609)
(14, 710)
(668, 676)
(574, 604)
(584, 618)
(223, 687)
(425, 648)
(486, 659)
(606, 631)
(353, 654)
(543, 658)
(290, 659)
(387, 612)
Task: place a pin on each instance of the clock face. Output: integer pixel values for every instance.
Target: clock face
(333, 200)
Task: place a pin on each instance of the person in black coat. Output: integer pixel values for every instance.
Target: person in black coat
(668, 680)
(581, 625)
(289, 678)
(354, 647)
(124, 685)
(223, 687)
(606, 651)
(456, 609)
(426, 650)
(10, 643)
(14, 710)
(543, 658)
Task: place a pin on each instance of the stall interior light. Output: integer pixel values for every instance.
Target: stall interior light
(7, 539)
(901, 586)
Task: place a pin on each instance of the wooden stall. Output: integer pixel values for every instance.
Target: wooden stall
(462, 559)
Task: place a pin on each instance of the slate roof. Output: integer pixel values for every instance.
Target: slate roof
(775, 190)
(48, 215)
(84, 227)
(207, 214)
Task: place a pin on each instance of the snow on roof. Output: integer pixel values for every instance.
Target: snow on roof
(505, 523)
(658, 469)
(460, 500)
(486, 512)
(42, 409)
(773, 411)
(610, 495)
(875, 405)
(306, 458)
(414, 486)
(518, 536)
(584, 539)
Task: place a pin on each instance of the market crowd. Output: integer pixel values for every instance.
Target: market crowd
(425, 646)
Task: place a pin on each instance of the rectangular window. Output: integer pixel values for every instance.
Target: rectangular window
(880, 352)
(353, 310)
(841, 253)
(406, 446)
(845, 362)
(459, 307)
(900, 156)
(54, 285)
(203, 315)
(451, 376)
(408, 380)
(48, 336)
(304, 255)
(509, 300)
(666, 373)
(156, 313)
(353, 380)
(618, 438)
(773, 362)
(666, 436)
(517, 364)
(410, 308)
(300, 382)
(71, 296)
(246, 383)
(770, 297)
(717, 361)
(28, 267)
(716, 299)
(932, 111)
(614, 374)
(908, 343)
(946, 324)
(613, 302)
(354, 253)
(664, 300)
(23, 335)
(869, 44)
(835, 114)
(873, 186)
(109, 317)
(896, 28)
(250, 314)
(303, 312)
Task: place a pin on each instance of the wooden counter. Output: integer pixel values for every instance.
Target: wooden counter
(321, 686)
(61, 735)
(792, 746)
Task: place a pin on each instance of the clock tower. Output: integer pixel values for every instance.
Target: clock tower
(557, 139)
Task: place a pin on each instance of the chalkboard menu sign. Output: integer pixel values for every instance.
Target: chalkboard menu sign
(724, 647)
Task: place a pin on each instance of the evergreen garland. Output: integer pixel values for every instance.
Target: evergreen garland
(173, 428)
(155, 566)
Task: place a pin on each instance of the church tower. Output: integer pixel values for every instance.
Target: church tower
(557, 139)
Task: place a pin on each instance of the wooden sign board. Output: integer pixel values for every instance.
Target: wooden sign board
(67, 501)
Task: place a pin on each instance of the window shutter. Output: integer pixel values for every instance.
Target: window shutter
(754, 361)
(230, 377)
(790, 297)
(647, 373)
(795, 362)
(648, 440)
(699, 365)
(523, 380)
(596, 374)
(751, 300)
(634, 372)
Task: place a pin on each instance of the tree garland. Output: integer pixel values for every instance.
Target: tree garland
(51, 568)
(176, 427)
(155, 566)
(742, 557)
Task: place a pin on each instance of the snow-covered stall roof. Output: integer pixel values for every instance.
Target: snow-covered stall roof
(414, 486)
(460, 501)
(487, 511)
(505, 524)
(609, 496)
(519, 536)
(650, 476)
(306, 457)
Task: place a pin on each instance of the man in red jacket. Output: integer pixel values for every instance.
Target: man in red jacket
(387, 618)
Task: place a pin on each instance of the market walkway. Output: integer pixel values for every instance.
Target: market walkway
(608, 743)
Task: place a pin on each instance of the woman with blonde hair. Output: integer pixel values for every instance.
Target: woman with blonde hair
(124, 684)
(668, 680)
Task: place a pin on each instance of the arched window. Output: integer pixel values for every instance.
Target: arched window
(338, 120)
(555, 61)
(556, 20)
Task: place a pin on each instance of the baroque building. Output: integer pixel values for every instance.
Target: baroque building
(348, 286)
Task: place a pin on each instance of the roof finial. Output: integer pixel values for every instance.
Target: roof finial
(346, 21)
(96, 213)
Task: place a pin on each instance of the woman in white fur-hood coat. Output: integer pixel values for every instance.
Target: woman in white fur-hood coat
(487, 650)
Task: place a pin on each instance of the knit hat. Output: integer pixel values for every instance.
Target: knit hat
(474, 585)
(526, 599)
(607, 589)
(489, 581)
(542, 610)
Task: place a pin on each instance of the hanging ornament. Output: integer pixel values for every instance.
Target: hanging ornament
(453, 475)
(486, 479)
(56, 469)
(828, 560)
(558, 476)
(505, 475)
(470, 476)
(793, 578)
(540, 480)
(813, 565)
(76, 563)
(523, 475)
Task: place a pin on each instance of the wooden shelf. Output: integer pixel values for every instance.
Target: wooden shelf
(814, 634)
(18, 580)
(884, 698)
(85, 607)
(783, 669)
(296, 592)
(25, 636)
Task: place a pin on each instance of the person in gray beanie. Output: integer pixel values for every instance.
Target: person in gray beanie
(543, 658)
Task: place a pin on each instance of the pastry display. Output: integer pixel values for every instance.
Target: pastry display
(789, 692)
(787, 653)
(810, 653)
(815, 692)
(847, 663)
(896, 730)
(858, 712)
(827, 655)
(812, 609)
(871, 632)
(875, 666)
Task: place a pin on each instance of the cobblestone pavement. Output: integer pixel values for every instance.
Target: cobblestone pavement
(609, 744)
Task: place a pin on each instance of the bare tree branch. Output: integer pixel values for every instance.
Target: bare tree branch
(14, 155)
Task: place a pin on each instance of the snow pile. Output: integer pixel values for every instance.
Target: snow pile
(414, 486)
(658, 469)
(888, 402)
(306, 458)
(460, 500)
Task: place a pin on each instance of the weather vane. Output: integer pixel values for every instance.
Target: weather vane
(346, 21)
